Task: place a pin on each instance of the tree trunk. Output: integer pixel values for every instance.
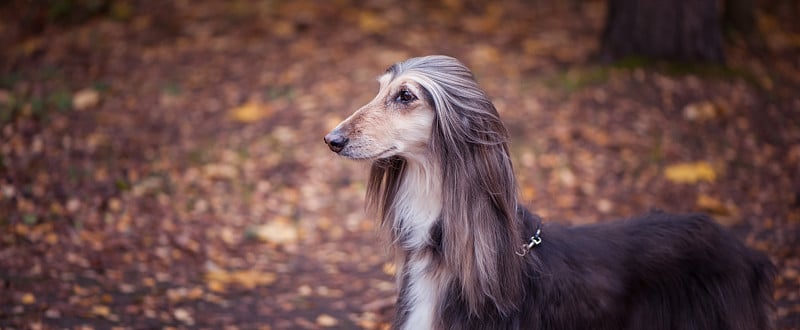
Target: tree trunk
(739, 15)
(678, 30)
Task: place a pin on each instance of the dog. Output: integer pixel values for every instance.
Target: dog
(469, 256)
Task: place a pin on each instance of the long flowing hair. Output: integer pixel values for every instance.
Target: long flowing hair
(468, 143)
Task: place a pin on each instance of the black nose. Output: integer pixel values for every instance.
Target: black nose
(336, 141)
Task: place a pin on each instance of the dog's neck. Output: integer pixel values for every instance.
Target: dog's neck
(418, 205)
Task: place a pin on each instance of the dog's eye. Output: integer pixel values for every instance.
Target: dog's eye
(405, 97)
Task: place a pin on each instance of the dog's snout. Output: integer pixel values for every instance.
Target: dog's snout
(335, 141)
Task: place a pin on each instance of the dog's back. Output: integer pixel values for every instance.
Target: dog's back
(659, 271)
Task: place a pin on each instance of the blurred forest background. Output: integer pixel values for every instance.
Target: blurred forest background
(162, 163)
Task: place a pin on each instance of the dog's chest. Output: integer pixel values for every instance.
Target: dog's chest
(422, 294)
(419, 203)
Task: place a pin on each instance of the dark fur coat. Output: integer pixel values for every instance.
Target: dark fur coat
(656, 272)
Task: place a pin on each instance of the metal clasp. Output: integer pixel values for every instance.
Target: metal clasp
(536, 239)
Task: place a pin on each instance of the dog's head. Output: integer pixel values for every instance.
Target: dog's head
(431, 112)
(397, 121)
(420, 100)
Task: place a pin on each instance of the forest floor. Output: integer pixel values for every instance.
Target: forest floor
(162, 163)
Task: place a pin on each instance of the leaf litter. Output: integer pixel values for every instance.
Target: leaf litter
(161, 165)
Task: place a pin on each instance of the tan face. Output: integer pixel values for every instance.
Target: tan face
(397, 121)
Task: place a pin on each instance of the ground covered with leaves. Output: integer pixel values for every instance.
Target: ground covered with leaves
(162, 164)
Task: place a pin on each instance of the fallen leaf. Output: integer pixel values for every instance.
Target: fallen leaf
(528, 193)
(713, 205)
(51, 238)
(101, 310)
(700, 111)
(389, 268)
(85, 98)
(52, 313)
(217, 280)
(183, 315)
(567, 178)
(228, 235)
(372, 23)
(485, 54)
(327, 321)
(28, 299)
(377, 305)
(127, 288)
(31, 45)
(8, 191)
(215, 286)
(251, 278)
(690, 172)
(220, 171)
(283, 29)
(251, 112)
(604, 205)
(147, 186)
(149, 282)
(73, 205)
(279, 231)
(304, 290)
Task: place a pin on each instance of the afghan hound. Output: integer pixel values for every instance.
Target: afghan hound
(470, 257)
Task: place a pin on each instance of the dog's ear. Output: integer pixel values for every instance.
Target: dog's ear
(479, 224)
(384, 180)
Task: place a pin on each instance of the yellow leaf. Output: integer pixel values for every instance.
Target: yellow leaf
(279, 231)
(389, 268)
(709, 203)
(483, 53)
(194, 293)
(251, 278)
(218, 276)
(21, 229)
(80, 291)
(220, 171)
(85, 98)
(371, 23)
(51, 238)
(216, 286)
(149, 281)
(28, 299)
(454, 5)
(326, 320)
(101, 310)
(217, 280)
(283, 29)
(715, 206)
(700, 111)
(604, 205)
(528, 193)
(184, 316)
(690, 172)
(251, 112)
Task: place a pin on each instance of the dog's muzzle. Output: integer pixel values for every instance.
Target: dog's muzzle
(336, 141)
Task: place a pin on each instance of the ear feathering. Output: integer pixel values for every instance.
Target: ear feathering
(468, 144)
(384, 180)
